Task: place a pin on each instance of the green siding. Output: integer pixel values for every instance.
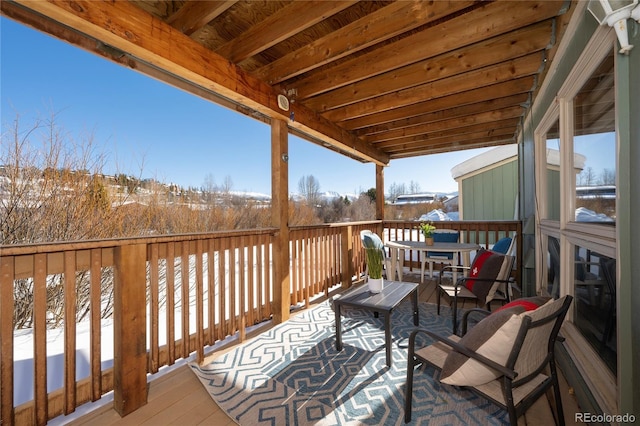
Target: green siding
(553, 188)
(491, 195)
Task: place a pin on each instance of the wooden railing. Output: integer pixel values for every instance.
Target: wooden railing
(483, 233)
(189, 291)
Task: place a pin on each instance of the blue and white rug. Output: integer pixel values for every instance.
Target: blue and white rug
(293, 375)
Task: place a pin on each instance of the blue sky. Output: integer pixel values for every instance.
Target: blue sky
(150, 129)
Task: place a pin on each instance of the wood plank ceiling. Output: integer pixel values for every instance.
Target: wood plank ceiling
(373, 80)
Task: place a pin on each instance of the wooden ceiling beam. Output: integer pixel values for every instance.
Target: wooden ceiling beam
(385, 23)
(440, 148)
(288, 21)
(455, 124)
(486, 53)
(489, 20)
(461, 111)
(499, 128)
(127, 28)
(195, 14)
(481, 95)
(504, 72)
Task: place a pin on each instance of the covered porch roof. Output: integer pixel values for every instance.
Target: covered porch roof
(372, 80)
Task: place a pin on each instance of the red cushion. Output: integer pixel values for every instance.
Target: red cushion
(528, 303)
(486, 266)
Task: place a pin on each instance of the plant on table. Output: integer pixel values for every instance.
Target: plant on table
(427, 229)
(375, 258)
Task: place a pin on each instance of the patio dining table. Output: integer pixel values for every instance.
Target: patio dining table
(397, 253)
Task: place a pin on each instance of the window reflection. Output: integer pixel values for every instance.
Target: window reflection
(553, 173)
(594, 147)
(595, 302)
(553, 267)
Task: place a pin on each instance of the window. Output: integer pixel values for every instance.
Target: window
(576, 190)
(594, 145)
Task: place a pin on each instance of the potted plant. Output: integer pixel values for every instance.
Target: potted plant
(427, 229)
(375, 258)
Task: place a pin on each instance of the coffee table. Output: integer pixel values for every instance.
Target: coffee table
(393, 292)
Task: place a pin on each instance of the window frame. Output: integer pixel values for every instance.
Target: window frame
(594, 236)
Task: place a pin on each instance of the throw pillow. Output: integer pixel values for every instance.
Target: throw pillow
(502, 245)
(493, 338)
(528, 303)
(486, 267)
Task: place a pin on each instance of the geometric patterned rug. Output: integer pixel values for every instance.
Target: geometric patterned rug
(293, 375)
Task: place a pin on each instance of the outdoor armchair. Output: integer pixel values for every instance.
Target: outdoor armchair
(488, 275)
(507, 358)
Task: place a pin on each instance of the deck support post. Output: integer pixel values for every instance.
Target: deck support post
(280, 219)
(379, 192)
(130, 335)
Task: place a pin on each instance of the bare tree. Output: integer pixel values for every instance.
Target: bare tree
(227, 185)
(587, 177)
(608, 177)
(396, 189)
(53, 189)
(309, 188)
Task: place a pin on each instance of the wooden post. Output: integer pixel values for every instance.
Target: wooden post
(379, 192)
(130, 336)
(7, 306)
(347, 256)
(280, 219)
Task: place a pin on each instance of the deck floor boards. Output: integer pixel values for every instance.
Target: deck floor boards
(178, 397)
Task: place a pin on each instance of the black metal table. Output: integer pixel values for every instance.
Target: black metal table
(393, 292)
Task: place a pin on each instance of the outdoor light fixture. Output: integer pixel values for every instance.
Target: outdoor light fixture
(615, 14)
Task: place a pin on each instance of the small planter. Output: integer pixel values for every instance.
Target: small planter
(375, 284)
(428, 241)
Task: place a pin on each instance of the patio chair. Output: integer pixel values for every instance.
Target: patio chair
(370, 239)
(489, 272)
(583, 276)
(507, 358)
(431, 257)
(586, 279)
(506, 245)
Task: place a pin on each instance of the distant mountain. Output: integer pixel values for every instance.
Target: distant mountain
(326, 195)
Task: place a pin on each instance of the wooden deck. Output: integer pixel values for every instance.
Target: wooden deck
(179, 398)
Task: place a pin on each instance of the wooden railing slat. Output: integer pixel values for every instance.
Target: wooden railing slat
(242, 289)
(170, 297)
(184, 296)
(40, 336)
(154, 299)
(222, 306)
(211, 308)
(199, 290)
(233, 298)
(70, 331)
(95, 338)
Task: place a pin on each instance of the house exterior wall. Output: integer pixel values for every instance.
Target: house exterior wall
(482, 201)
(628, 232)
(553, 190)
(628, 200)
